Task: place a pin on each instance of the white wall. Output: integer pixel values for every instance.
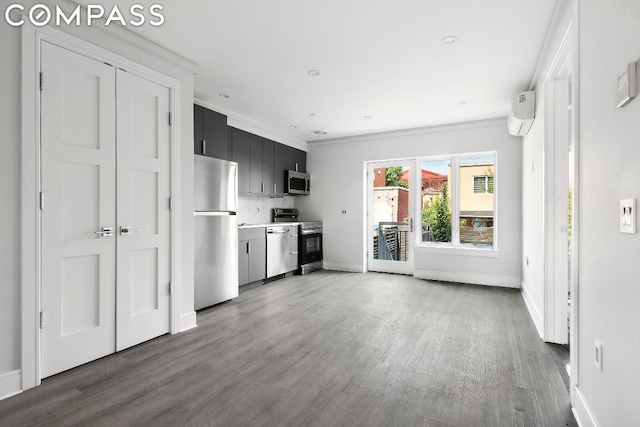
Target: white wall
(609, 161)
(337, 174)
(10, 196)
(533, 213)
(123, 44)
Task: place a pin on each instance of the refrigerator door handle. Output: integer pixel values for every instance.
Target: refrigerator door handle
(234, 171)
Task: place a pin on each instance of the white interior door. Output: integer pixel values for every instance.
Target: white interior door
(143, 188)
(390, 222)
(79, 194)
(106, 164)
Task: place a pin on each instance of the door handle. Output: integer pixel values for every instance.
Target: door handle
(204, 146)
(126, 230)
(106, 232)
(411, 225)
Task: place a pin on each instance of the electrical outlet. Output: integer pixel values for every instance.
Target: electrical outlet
(344, 211)
(628, 216)
(258, 209)
(597, 354)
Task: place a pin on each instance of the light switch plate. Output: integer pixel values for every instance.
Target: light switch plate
(628, 216)
(597, 354)
(627, 81)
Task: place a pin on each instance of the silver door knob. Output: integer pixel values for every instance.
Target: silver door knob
(106, 232)
(126, 230)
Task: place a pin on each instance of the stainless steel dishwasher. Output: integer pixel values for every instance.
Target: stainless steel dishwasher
(278, 250)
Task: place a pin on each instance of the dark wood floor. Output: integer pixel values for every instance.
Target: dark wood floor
(326, 349)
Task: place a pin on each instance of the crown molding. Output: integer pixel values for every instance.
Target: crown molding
(500, 121)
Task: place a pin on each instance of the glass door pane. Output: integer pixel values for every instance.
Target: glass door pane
(390, 217)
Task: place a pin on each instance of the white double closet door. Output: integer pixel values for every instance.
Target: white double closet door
(105, 165)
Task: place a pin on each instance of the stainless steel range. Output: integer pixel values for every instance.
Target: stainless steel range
(309, 239)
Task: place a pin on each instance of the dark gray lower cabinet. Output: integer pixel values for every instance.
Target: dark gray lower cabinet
(252, 255)
(293, 245)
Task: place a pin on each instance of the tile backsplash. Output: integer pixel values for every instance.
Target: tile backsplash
(257, 209)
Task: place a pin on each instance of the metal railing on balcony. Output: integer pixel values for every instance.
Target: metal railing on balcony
(391, 241)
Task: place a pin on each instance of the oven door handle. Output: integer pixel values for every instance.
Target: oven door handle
(310, 232)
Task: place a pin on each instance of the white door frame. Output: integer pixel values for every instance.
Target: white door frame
(567, 51)
(390, 266)
(32, 38)
(556, 164)
(556, 183)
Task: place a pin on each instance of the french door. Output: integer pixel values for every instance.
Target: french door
(105, 219)
(143, 210)
(390, 217)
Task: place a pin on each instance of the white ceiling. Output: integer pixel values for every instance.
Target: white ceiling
(376, 57)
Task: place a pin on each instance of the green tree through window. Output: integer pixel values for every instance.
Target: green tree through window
(394, 178)
(437, 213)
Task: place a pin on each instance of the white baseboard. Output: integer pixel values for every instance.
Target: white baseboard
(10, 384)
(582, 412)
(355, 268)
(535, 314)
(188, 321)
(471, 278)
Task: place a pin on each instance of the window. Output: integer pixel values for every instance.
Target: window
(458, 203)
(482, 184)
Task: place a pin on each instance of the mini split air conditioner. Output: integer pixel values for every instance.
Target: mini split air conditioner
(523, 112)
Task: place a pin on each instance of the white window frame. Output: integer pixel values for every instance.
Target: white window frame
(455, 247)
(486, 182)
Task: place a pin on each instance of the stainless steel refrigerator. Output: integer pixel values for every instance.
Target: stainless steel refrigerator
(216, 231)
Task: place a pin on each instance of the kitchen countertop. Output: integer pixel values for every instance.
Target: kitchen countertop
(268, 224)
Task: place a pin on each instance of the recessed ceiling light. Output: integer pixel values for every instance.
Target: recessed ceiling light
(368, 117)
(293, 127)
(320, 132)
(223, 96)
(449, 39)
(313, 73)
(462, 102)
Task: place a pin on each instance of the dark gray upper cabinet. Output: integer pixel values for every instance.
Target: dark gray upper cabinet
(197, 128)
(300, 158)
(257, 185)
(241, 150)
(288, 158)
(268, 165)
(211, 133)
(262, 163)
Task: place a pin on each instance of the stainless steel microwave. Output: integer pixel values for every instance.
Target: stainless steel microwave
(298, 182)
